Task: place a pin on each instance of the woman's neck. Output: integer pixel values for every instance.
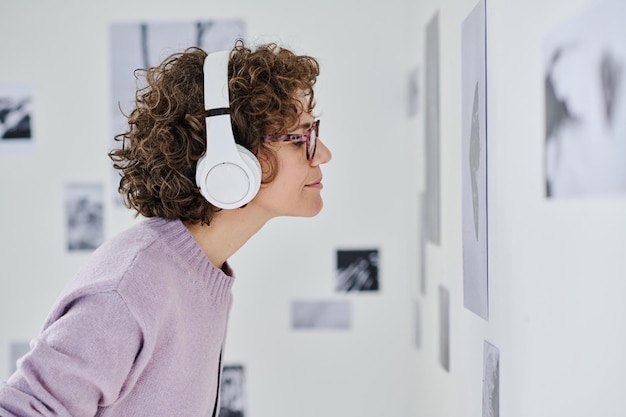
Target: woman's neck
(229, 230)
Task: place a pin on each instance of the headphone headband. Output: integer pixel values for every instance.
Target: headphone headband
(217, 112)
(216, 80)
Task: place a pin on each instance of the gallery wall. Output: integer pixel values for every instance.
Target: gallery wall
(410, 347)
(61, 51)
(556, 264)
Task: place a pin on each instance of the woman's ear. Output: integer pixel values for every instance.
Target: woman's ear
(269, 163)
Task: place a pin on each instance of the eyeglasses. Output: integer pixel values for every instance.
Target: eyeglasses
(309, 137)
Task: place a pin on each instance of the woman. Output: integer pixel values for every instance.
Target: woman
(140, 330)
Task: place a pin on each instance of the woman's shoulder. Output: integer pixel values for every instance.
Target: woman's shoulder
(114, 257)
(134, 254)
(135, 264)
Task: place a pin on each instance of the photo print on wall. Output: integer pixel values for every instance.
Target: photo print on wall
(142, 45)
(417, 315)
(585, 104)
(474, 162)
(357, 270)
(491, 380)
(421, 243)
(431, 123)
(16, 112)
(412, 94)
(84, 216)
(320, 315)
(444, 328)
(232, 392)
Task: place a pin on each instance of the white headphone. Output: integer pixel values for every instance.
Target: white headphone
(228, 174)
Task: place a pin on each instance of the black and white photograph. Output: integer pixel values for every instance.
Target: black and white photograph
(417, 316)
(232, 392)
(474, 161)
(585, 104)
(421, 245)
(444, 328)
(16, 113)
(16, 351)
(431, 123)
(84, 216)
(412, 96)
(491, 380)
(357, 270)
(321, 314)
(140, 45)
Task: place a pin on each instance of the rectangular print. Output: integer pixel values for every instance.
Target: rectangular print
(474, 161)
(491, 380)
(444, 328)
(232, 392)
(431, 123)
(84, 207)
(357, 270)
(333, 315)
(16, 113)
(585, 104)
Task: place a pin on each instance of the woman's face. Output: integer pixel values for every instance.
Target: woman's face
(295, 191)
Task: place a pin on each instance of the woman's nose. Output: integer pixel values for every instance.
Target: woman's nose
(322, 154)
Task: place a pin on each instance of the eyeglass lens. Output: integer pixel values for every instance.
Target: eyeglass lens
(312, 142)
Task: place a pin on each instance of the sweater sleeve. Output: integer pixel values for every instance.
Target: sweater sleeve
(80, 361)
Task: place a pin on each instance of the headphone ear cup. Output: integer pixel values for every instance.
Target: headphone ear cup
(229, 184)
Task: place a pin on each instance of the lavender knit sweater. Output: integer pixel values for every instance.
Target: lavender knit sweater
(138, 332)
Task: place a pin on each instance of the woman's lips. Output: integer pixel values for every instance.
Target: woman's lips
(316, 184)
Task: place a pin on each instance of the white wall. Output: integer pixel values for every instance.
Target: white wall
(556, 268)
(61, 49)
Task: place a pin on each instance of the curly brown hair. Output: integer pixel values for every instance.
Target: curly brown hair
(166, 129)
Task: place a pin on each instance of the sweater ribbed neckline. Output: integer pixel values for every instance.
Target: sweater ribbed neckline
(178, 238)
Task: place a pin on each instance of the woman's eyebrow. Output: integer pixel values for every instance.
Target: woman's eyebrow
(306, 125)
